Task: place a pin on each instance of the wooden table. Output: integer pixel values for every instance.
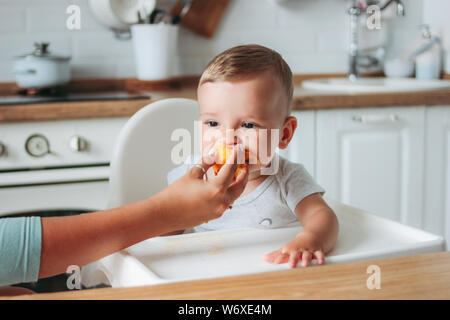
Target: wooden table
(425, 276)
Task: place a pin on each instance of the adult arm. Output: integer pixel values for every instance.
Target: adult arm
(189, 201)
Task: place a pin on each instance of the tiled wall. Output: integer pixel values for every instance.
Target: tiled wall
(312, 35)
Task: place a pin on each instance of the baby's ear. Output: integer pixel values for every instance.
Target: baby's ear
(287, 132)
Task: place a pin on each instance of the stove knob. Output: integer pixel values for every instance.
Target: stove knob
(78, 144)
(2, 149)
(37, 145)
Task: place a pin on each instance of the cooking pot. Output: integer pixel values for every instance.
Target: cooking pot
(41, 69)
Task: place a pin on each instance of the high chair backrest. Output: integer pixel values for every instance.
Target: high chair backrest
(143, 153)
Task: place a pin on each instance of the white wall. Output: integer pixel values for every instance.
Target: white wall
(312, 35)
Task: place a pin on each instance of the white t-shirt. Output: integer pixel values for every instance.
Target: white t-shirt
(272, 203)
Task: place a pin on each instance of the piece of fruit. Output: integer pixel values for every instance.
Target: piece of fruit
(223, 152)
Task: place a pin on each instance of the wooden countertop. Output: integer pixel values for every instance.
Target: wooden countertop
(303, 100)
(86, 109)
(315, 99)
(425, 276)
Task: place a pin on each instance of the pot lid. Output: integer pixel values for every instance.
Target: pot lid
(41, 51)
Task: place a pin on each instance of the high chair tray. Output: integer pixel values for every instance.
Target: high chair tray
(362, 236)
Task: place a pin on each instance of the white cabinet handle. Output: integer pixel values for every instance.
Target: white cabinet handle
(375, 119)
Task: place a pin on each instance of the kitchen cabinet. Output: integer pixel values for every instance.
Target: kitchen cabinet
(394, 162)
(301, 149)
(373, 158)
(437, 172)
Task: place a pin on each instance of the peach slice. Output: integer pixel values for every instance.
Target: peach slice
(223, 152)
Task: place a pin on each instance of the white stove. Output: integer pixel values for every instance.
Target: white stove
(56, 166)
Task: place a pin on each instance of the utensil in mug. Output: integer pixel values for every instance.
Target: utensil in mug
(156, 16)
(185, 5)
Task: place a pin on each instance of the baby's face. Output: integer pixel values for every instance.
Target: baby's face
(241, 112)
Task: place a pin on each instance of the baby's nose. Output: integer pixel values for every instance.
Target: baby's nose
(231, 138)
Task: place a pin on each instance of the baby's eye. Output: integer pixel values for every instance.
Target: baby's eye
(248, 125)
(212, 123)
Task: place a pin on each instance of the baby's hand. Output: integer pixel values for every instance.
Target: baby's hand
(305, 247)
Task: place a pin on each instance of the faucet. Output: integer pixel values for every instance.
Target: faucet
(355, 10)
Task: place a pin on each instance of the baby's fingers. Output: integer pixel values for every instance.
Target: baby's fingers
(294, 257)
(281, 258)
(270, 257)
(276, 257)
(306, 258)
(319, 257)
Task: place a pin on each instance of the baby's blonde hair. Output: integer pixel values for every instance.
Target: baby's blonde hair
(249, 60)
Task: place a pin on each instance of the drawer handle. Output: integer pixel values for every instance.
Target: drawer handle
(374, 119)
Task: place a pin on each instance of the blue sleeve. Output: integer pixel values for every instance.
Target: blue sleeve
(20, 249)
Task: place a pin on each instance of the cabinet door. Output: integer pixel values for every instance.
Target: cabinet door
(301, 149)
(373, 159)
(437, 174)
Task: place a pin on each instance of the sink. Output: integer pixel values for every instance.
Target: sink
(375, 85)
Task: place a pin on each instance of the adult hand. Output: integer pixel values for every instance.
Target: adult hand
(192, 200)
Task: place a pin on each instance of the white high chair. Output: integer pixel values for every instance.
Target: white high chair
(139, 167)
(142, 157)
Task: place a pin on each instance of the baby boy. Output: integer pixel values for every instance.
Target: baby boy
(245, 96)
